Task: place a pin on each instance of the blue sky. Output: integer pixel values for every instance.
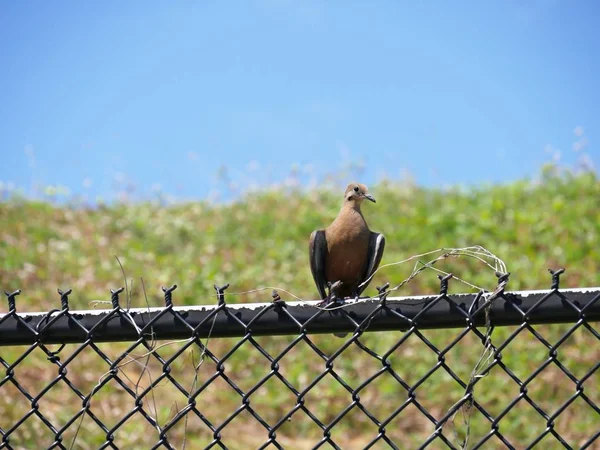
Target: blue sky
(160, 95)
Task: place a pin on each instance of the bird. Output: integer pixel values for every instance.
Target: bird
(344, 255)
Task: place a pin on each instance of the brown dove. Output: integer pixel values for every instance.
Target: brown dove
(346, 250)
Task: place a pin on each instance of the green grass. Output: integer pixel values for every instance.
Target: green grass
(261, 240)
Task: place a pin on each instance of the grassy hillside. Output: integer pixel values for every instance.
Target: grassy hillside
(261, 240)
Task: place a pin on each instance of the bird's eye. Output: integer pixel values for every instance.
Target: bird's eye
(355, 188)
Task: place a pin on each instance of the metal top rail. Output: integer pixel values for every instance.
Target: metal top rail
(286, 318)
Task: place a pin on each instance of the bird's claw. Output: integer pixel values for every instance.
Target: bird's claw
(332, 297)
(331, 301)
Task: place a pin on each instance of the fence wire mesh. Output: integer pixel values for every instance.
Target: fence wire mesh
(487, 370)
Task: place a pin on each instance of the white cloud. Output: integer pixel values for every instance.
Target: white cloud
(578, 131)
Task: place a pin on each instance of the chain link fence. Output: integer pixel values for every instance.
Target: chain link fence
(486, 370)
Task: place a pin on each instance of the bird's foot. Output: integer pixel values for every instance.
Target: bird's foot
(330, 302)
(332, 298)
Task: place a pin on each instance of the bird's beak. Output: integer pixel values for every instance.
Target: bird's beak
(370, 197)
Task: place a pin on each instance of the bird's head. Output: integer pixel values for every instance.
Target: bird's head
(356, 193)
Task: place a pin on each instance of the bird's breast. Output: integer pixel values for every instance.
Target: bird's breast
(347, 256)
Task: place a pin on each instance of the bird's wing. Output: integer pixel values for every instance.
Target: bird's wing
(374, 254)
(318, 255)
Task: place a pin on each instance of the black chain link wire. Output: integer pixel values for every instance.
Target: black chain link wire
(411, 327)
